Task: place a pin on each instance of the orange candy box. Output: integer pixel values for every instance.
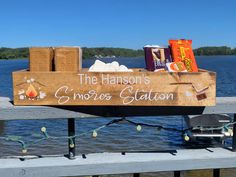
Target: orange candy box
(182, 52)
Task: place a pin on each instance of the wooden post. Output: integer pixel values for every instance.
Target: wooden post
(234, 135)
(216, 172)
(176, 173)
(71, 132)
(136, 175)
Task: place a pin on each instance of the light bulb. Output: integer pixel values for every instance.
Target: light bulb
(227, 133)
(139, 128)
(24, 151)
(186, 138)
(231, 132)
(43, 129)
(95, 134)
(72, 145)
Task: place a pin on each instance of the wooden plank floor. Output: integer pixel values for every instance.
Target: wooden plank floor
(116, 163)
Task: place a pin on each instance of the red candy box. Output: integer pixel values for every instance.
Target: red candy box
(182, 52)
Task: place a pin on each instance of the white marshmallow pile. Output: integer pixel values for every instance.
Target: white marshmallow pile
(151, 46)
(100, 66)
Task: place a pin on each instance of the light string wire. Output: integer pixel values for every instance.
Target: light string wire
(25, 145)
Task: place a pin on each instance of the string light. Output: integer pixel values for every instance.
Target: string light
(225, 129)
(24, 151)
(186, 137)
(139, 128)
(43, 129)
(230, 131)
(72, 145)
(226, 133)
(95, 134)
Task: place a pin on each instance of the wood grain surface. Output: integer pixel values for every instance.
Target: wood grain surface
(138, 88)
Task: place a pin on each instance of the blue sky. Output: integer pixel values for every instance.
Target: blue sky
(116, 23)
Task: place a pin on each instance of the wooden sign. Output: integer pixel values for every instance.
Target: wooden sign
(138, 88)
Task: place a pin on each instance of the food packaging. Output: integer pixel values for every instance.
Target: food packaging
(176, 67)
(182, 51)
(156, 57)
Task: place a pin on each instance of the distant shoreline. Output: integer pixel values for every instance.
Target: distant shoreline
(106, 52)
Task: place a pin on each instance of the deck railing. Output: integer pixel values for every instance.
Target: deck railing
(116, 163)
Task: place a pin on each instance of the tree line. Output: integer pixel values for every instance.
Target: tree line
(106, 52)
(223, 50)
(15, 53)
(10, 53)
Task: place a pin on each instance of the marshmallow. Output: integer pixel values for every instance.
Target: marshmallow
(115, 65)
(123, 68)
(100, 66)
(152, 46)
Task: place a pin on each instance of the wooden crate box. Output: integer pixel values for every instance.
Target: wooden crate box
(68, 59)
(41, 58)
(138, 88)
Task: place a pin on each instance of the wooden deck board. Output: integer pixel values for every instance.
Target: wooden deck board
(115, 163)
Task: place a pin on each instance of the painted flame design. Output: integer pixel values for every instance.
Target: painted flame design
(31, 92)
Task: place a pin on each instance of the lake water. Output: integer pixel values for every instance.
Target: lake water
(118, 137)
